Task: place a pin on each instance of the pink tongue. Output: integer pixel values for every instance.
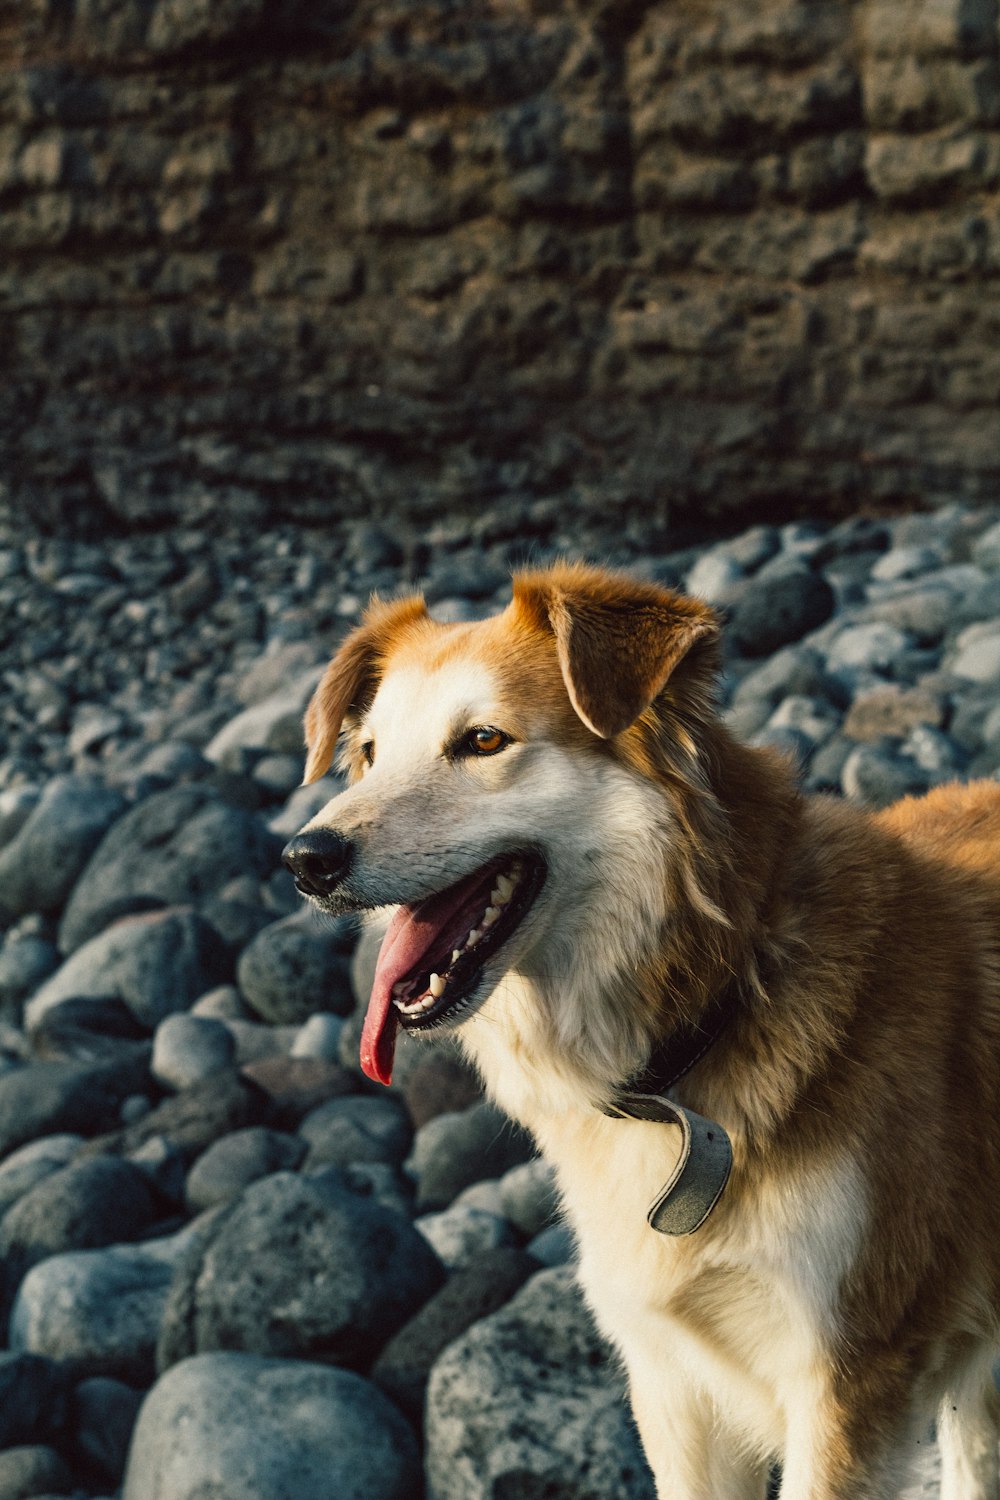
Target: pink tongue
(411, 933)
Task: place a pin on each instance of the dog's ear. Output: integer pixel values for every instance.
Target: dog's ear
(618, 640)
(349, 682)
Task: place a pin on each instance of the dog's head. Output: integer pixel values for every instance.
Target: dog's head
(505, 789)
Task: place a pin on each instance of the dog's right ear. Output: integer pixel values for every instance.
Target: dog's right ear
(618, 639)
(349, 682)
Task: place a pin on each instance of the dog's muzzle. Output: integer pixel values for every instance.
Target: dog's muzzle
(319, 859)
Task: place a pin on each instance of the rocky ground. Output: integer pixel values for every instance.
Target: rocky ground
(229, 1265)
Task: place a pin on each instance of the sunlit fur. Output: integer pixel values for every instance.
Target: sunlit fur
(845, 1291)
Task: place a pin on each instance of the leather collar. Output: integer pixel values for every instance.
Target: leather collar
(706, 1157)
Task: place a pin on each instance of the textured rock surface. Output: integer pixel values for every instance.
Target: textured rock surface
(734, 256)
(238, 1427)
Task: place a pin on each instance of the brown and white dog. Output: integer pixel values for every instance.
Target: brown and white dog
(585, 865)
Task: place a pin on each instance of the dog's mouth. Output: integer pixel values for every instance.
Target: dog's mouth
(433, 954)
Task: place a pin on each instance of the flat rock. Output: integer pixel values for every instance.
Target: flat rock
(475, 1291)
(258, 1428)
(531, 1401)
(155, 964)
(301, 1266)
(40, 865)
(175, 848)
(295, 967)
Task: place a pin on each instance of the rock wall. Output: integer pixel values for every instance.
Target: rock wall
(310, 257)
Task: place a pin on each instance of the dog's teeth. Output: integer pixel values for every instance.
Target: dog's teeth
(504, 887)
(436, 986)
(473, 938)
(456, 955)
(490, 915)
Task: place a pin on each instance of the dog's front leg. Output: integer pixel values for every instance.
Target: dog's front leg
(691, 1454)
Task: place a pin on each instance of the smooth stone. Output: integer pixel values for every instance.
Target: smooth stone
(875, 646)
(89, 1030)
(439, 1082)
(986, 548)
(480, 1288)
(529, 1196)
(531, 1401)
(892, 711)
(794, 670)
(258, 1428)
(934, 751)
(879, 777)
(453, 1150)
(82, 1206)
(301, 1266)
(296, 966)
(16, 806)
(319, 1037)
(99, 1310)
(357, 1129)
(303, 805)
(265, 725)
(105, 1412)
(553, 1246)
(35, 1471)
(459, 1233)
(255, 1040)
(485, 1195)
(34, 1398)
(189, 1049)
(25, 963)
(906, 562)
(978, 660)
(27, 1166)
(53, 1098)
(812, 717)
(41, 864)
(223, 1003)
(295, 1085)
(779, 609)
(232, 1163)
(714, 577)
(191, 1120)
(176, 847)
(156, 964)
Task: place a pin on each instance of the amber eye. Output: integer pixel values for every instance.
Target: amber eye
(485, 740)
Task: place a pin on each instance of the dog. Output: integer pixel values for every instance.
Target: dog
(776, 1018)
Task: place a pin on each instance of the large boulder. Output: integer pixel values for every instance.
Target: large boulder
(256, 1429)
(40, 865)
(175, 848)
(530, 1402)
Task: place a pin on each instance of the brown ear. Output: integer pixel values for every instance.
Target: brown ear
(349, 682)
(618, 639)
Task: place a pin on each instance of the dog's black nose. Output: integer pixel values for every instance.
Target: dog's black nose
(318, 859)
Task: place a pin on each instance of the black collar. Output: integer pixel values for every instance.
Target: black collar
(672, 1058)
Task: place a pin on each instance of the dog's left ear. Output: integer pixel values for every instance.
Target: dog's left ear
(618, 640)
(349, 682)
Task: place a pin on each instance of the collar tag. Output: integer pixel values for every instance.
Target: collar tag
(702, 1171)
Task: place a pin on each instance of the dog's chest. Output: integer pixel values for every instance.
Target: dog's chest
(746, 1303)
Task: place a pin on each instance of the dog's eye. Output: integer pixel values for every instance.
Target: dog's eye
(368, 751)
(484, 740)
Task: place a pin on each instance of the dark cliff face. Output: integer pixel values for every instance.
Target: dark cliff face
(311, 257)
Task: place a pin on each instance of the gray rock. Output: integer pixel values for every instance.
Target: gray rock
(529, 1197)
(31, 1163)
(232, 1163)
(530, 1401)
(986, 549)
(906, 562)
(978, 656)
(874, 646)
(99, 1310)
(89, 1029)
(176, 847)
(34, 1394)
(295, 967)
(813, 718)
(359, 1129)
(255, 1040)
(191, 1120)
(793, 671)
(51, 1098)
(263, 724)
(553, 1246)
(256, 1429)
(453, 1150)
(224, 1003)
(480, 1288)
(876, 775)
(155, 964)
(79, 1207)
(779, 609)
(300, 1266)
(303, 805)
(461, 1233)
(24, 963)
(934, 751)
(33, 1471)
(105, 1411)
(16, 806)
(188, 1049)
(714, 577)
(40, 865)
(319, 1037)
